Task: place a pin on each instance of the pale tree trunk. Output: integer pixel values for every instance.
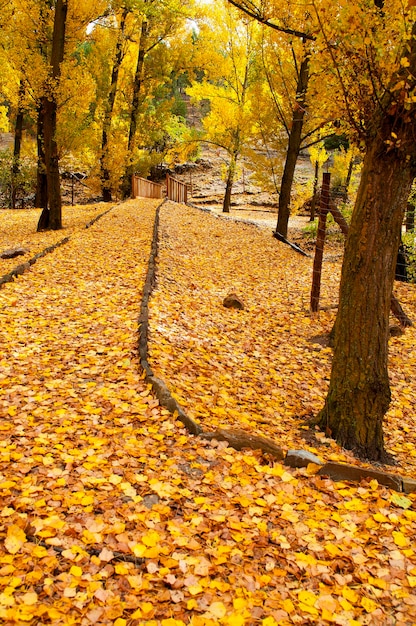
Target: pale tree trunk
(135, 107)
(293, 148)
(105, 138)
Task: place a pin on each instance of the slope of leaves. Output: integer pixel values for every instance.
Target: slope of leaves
(261, 368)
(18, 229)
(112, 514)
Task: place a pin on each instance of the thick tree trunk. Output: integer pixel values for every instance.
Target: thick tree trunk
(52, 164)
(359, 392)
(51, 216)
(295, 140)
(359, 389)
(135, 107)
(104, 162)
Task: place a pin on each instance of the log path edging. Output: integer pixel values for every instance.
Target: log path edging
(235, 438)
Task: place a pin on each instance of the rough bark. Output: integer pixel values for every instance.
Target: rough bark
(294, 144)
(359, 391)
(118, 57)
(49, 112)
(52, 164)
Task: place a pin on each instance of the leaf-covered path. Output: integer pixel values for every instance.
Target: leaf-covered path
(111, 513)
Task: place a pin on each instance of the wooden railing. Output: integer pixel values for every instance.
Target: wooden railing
(176, 191)
(145, 188)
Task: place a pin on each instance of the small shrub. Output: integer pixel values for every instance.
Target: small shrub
(409, 242)
(24, 182)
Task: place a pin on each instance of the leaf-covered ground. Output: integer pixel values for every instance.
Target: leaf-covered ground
(18, 230)
(111, 513)
(263, 368)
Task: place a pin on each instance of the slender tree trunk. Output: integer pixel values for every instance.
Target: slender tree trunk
(320, 243)
(135, 107)
(104, 161)
(293, 149)
(315, 192)
(229, 185)
(359, 392)
(41, 198)
(18, 132)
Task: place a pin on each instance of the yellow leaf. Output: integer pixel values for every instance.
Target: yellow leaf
(151, 539)
(195, 589)
(288, 606)
(217, 610)
(350, 595)
(15, 539)
(355, 505)
(332, 549)
(29, 598)
(121, 569)
(146, 607)
(6, 512)
(6, 600)
(39, 552)
(399, 539)
(76, 571)
(307, 597)
(369, 605)
(377, 582)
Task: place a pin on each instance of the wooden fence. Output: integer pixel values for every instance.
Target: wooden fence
(176, 191)
(146, 188)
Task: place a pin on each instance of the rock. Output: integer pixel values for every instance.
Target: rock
(409, 485)
(150, 500)
(301, 458)
(13, 252)
(232, 301)
(240, 439)
(343, 471)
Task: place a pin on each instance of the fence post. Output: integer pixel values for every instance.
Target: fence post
(320, 242)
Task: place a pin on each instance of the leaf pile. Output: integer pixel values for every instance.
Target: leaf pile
(263, 368)
(112, 514)
(18, 229)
